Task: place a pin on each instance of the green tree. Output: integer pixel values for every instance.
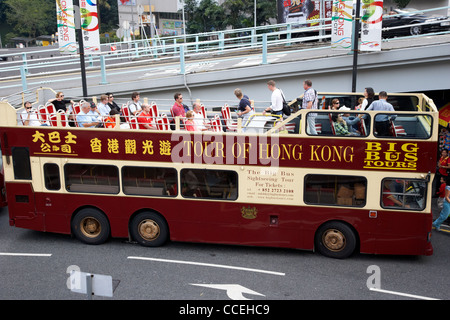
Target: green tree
(240, 13)
(31, 17)
(402, 3)
(206, 17)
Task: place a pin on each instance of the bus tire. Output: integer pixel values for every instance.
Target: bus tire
(149, 229)
(335, 240)
(91, 226)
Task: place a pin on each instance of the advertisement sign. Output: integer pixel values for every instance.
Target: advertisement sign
(302, 11)
(66, 27)
(371, 20)
(89, 26)
(341, 25)
(126, 2)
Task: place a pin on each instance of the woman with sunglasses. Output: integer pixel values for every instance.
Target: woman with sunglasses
(111, 102)
(59, 102)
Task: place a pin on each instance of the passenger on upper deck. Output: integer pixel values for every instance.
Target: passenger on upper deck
(382, 121)
(178, 107)
(103, 106)
(245, 107)
(340, 125)
(86, 118)
(276, 99)
(369, 97)
(111, 102)
(189, 123)
(30, 118)
(144, 119)
(59, 102)
(310, 102)
(110, 121)
(199, 120)
(135, 105)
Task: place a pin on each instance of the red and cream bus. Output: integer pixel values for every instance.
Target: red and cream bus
(275, 186)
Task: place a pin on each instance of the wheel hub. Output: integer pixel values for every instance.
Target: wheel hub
(334, 240)
(90, 227)
(149, 230)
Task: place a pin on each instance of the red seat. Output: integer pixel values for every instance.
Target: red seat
(162, 122)
(126, 113)
(133, 123)
(216, 124)
(42, 113)
(333, 131)
(229, 122)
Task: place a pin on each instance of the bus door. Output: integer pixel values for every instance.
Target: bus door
(52, 200)
(20, 191)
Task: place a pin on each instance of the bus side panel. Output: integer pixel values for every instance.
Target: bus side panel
(21, 207)
(404, 233)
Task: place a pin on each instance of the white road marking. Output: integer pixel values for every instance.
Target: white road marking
(402, 294)
(234, 291)
(209, 265)
(26, 254)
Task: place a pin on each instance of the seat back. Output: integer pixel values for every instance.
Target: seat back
(42, 113)
(203, 110)
(333, 130)
(50, 108)
(53, 120)
(216, 124)
(126, 113)
(226, 112)
(133, 123)
(162, 122)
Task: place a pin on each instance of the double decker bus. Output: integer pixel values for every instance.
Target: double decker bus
(273, 185)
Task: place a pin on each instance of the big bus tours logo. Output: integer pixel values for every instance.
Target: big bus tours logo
(392, 155)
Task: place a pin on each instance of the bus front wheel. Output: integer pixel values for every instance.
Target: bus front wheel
(90, 226)
(335, 240)
(149, 229)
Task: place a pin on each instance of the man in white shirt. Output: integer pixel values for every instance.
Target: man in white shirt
(28, 117)
(276, 99)
(135, 105)
(199, 120)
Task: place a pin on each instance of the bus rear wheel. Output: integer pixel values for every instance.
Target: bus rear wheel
(149, 229)
(335, 240)
(91, 226)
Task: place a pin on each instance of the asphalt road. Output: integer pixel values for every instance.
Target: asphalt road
(34, 265)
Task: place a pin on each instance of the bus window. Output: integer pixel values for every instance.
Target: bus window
(51, 176)
(149, 181)
(403, 126)
(403, 193)
(335, 190)
(21, 163)
(91, 178)
(210, 184)
(340, 123)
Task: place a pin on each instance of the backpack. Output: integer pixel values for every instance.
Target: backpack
(286, 108)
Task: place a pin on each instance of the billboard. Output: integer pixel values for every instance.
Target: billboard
(341, 25)
(90, 26)
(371, 23)
(66, 27)
(302, 11)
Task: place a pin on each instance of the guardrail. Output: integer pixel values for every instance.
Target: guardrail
(173, 49)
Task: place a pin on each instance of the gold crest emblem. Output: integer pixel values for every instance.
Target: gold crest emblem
(249, 213)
